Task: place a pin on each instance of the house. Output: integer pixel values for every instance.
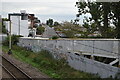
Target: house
(18, 26)
(61, 34)
(0, 24)
(21, 23)
(49, 32)
(96, 33)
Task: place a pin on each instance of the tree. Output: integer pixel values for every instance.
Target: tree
(14, 39)
(49, 22)
(69, 29)
(90, 28)
(94, 9)
(3, 26)
(40, 30)
(3, 29)
(106, 11)
(56, 23)
(101, 14)
(116, 17)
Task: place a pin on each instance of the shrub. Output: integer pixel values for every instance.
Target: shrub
(36, 60)
(3, 29)
(55, 37)
(14, 39)
(40, 30)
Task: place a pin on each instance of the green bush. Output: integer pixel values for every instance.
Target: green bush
(40, 30)
(4, 30)
(14, 39)
(36, 60)
(55, 37)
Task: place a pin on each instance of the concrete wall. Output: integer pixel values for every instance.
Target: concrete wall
(67, 48)
(105, 48)
(91, 66)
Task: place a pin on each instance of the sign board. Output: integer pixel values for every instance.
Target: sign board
(23, 11)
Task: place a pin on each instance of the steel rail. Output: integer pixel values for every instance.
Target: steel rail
(17, 69)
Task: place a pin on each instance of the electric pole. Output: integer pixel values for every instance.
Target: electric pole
(10, 45)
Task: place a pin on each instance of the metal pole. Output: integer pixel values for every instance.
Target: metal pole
(10, 37)
(10, 45)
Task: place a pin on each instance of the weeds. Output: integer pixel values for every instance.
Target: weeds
(47, 64)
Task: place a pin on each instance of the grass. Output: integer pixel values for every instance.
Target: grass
(47, 64)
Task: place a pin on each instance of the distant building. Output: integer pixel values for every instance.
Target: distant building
(18, 26)
(61, 34)
(37, 22)
(96, 33)
(0, 24)
(49, 32)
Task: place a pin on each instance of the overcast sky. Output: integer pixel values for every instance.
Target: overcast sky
(59, 10)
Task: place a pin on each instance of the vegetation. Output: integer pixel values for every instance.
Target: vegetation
(44, 61)
(56, 23)
(69, 29)
(49, 22)
(103, 14)
(4, 29)
(55, 37)
(2, 26)
(14, 39)
(40, 30)
(36, 21)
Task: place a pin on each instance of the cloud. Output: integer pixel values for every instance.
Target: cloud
(38, 0)
(40, 7)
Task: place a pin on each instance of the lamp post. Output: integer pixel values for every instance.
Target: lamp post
(10, 42)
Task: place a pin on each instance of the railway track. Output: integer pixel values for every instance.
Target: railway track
(14, 71)
(6, 73)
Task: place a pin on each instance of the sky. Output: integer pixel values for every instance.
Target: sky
(59, 10)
